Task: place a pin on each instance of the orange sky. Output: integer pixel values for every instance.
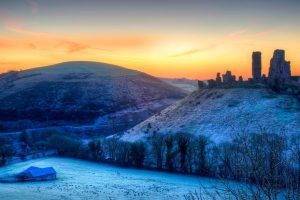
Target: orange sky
(193, 53)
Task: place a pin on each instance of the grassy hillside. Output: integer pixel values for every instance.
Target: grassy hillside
(80, 93)
(219, 113)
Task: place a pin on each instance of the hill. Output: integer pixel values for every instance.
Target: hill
(76, 93)
(183, 83)
(218, 113)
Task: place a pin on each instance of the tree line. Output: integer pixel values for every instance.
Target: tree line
(269, 161)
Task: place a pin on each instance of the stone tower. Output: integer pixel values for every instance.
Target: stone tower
(280, 69)
(256, 66)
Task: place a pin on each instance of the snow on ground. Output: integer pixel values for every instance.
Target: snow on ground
(79, 179)
(220, 113)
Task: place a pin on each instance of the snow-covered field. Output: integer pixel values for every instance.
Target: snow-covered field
(79, 179)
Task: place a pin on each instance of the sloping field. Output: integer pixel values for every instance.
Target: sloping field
(221, 113)
(86, 180)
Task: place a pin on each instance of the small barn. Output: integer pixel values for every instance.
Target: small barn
(37, 174)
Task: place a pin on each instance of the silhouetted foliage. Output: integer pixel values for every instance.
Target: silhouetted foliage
(183, 141)
(65, 146)
(96, 149)
(123, 153)
(137, 154)
(6, 151)
(170, 154)
(202, 143)
(158, 147)
(24, 138)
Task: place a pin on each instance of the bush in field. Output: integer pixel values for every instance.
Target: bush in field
(137, 154)
(201, 151)
(183, 142)
(158, 147)
(65, 146)
(170, 152)
(96, 149)
(6, 151)
(123, 153)
(24, 138)
(111, 146)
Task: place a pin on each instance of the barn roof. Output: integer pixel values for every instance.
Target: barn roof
(38, 172)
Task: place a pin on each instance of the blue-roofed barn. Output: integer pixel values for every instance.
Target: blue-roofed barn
(37, 174)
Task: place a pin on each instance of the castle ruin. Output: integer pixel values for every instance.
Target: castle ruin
(279, 73)
(280, 69)
(256, 65)
(228, 78)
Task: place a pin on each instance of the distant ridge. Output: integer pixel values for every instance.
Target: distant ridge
(97, 68)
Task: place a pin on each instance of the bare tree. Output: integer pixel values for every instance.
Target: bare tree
(96, 150)
(123, 153)
(202, 143)
(183, 140)
(137, 154)
(170, 152)
(261, 163)
(111, 145)
(6, 151)
(157, 142)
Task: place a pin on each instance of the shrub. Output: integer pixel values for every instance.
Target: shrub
(6, 151)
(96, 149)
(65, 146)
(137, 154)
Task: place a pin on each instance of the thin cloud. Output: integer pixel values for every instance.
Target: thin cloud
(17, 27)
(73, 47)
(32, 46)
(33, 5)
(44, 41)
(194, 51)
(244, 35)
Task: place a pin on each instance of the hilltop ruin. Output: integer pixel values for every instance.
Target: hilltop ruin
(279, 75)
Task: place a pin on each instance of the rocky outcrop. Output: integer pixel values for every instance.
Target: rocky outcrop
(280, 70)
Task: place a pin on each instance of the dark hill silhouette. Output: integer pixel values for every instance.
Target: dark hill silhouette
(81, 93)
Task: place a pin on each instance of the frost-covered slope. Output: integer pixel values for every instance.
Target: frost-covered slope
(77, 180)
(219, 113)
(81, 93)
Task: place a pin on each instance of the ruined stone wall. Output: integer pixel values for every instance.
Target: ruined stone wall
(256, 66)
(280, 70)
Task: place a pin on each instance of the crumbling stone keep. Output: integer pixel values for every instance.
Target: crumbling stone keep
(280, 69)
(256, 66)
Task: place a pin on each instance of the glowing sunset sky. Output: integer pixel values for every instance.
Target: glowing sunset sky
(178, 38)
